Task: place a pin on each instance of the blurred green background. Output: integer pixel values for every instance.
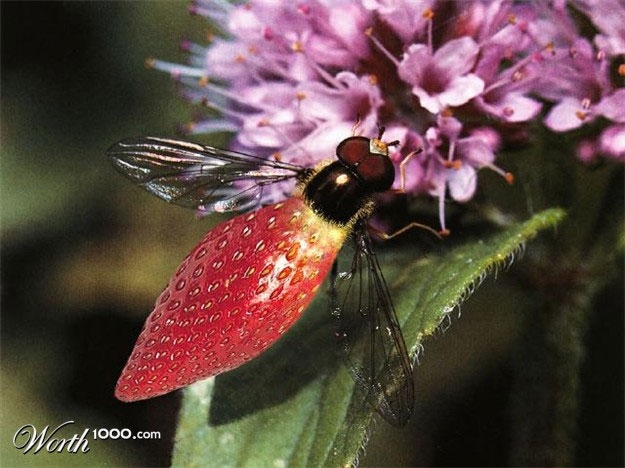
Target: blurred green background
(85, 254)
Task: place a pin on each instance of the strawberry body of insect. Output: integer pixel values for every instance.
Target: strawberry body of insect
(249, 279)
(246, 282)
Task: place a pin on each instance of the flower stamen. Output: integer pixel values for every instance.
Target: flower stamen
(175, 70)
(508, 176)
(380, 47)
(428, 15)
(455, 165)
(203, 81)
(324, 74)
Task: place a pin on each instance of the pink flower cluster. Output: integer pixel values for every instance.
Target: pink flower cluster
(460, 80)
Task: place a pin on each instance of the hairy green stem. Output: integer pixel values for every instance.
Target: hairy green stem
(547, 390)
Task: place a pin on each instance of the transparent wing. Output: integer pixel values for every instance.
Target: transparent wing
(375, 350)
(196, 176)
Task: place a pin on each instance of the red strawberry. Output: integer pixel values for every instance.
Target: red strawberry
(232, 297)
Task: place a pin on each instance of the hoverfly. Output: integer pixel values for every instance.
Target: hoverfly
(251, 277)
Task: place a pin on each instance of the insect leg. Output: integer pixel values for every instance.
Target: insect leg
(386, 236)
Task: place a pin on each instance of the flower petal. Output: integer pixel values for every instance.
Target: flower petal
(612, 107)
(565, 115)
(462, 182)
(612, 142)
(475, 152)
(428, 102)
(515, 107)
(457, 56)
(461, 90)
(414, 61)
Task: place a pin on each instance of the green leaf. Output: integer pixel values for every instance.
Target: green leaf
(296, 405)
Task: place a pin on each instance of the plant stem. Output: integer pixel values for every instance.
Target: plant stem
(547, 390)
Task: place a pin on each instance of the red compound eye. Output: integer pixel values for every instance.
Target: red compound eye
(375, 169)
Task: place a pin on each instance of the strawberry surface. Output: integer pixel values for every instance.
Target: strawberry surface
(242, 287)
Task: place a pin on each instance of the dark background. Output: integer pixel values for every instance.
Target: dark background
(84, 255)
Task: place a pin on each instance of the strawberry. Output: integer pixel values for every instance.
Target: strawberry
(246, 282)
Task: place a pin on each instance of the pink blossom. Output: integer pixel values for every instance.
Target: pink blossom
(293, 77)
(609, 18)
(612, 142)
(442, 79)
(404, 17)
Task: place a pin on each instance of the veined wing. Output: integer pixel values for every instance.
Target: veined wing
(375, 349)
(197, 176)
